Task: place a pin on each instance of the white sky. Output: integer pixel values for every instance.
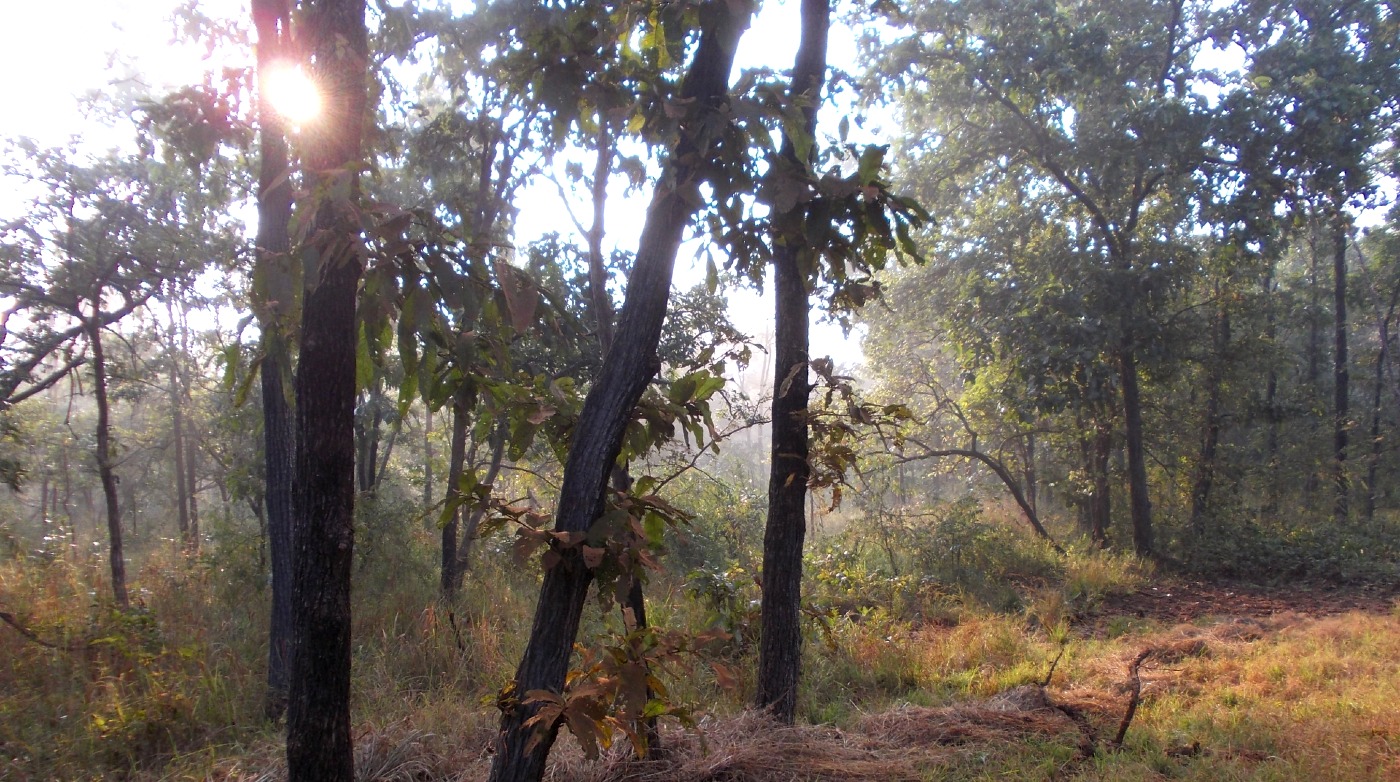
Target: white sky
(56, 52)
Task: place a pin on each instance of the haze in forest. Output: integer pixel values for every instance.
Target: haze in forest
(699, 389)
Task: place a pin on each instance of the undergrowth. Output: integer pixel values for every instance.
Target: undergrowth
(173, 688)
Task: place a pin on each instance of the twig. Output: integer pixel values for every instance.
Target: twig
(19, 627)
(1134, 674)
(1046, 681)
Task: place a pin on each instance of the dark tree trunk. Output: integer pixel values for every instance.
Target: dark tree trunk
(1377, 447)
(1138, 501)
(177, 427)
(319, 744)
(780, 645)
(104, 458)
(428, 458)
(1271, 407)
(1028, 471)
(1101, 496)
(601, 305)
(456, 464)
(1341, 388)
(499, 435)
(627, 369)
(1095, 451)
(1210, 432)
(274, 297)
(192, 487)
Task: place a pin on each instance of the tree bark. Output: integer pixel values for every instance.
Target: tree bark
(104, 458)
(1138, 501)
(177, 427)
(274, 295)
(627, 369)
(780, 645)
(456, 463)
(319, 744)
(1210, 430)
(428, 458)
(1341, 386)
(499, 435)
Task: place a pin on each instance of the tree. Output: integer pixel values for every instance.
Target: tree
(780, 646)
(1094, 115)
(524, 741)
(274, 302)
(318, 710)
(1323, 79)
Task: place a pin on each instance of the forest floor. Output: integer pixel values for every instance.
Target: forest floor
(1233, 682)
(1176, 600)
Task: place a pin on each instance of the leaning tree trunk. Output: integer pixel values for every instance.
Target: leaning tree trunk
(319, 744)
(274, 296)
(104, 458)
(500, 433)
(601, 306)
(627, 369)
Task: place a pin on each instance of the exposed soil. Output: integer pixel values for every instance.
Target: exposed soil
(1174, 601)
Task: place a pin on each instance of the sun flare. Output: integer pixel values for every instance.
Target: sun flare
(293, 94)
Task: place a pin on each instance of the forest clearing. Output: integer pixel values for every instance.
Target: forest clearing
(703, 390)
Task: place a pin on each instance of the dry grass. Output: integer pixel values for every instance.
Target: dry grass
(1284, 697)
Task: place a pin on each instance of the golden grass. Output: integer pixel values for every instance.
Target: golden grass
(174, 693)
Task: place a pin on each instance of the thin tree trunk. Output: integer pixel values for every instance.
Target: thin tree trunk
(1341, 387)
(1382, 358)
(1271, 409)
(274, 297)
(499, 435)
(456, 465)
(1210, 433)
(428, 458)
(104, 458)
(191, 486)
(627, 369)
(319, 743)
(780, 644)
(177, 417)
(1138, 500)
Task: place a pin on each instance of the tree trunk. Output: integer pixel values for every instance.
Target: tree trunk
(1341, 387)
(601, 305)
(104, 457)
(428, 458)
(1210, 432)
(499, 435)
(780, 644)
(456, 464)
(192, 487)
(1138, 500)
(319, 744)
(274, 301)
(1271, 407)
(1101, 499)
(627, 369)
(177, 427)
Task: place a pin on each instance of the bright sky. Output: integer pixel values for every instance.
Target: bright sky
(107, 42)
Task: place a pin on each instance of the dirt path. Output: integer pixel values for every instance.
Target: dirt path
(1179, 600)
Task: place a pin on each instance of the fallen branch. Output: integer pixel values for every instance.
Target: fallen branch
(1135, 697)
(20, 628)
